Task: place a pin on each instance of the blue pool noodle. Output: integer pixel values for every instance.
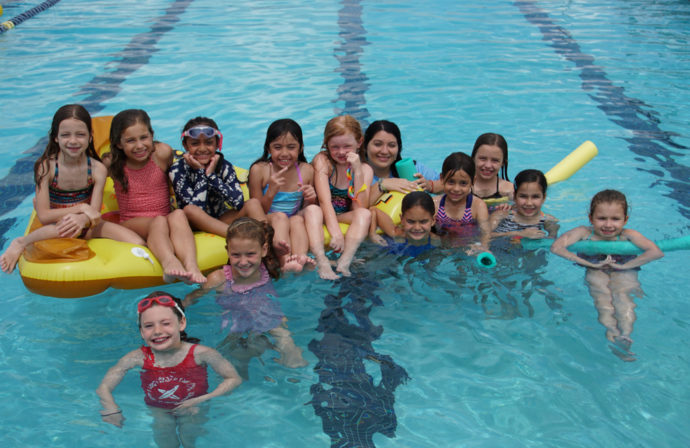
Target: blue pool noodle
(611, 247)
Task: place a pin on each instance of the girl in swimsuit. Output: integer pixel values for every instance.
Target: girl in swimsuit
(612, 279)
(139, 169)
(205, 183)
(69, 179)
(341, 180)
(526, 218)
(283, 182)
(458, 208)
(490, 155)
(173, 375)
(413, 235)
(245, 292)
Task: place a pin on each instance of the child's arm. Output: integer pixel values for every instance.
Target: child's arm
(480, 212)
(362, 176)
(382, 220)
(162, 155)
(214, 280)
(551, 226)
(560, 246)
(307, 187)
(209, 356)
(323, 192)
(189, 185)
(261, 174)
(226, 184)
(111, 413)
(651, 250)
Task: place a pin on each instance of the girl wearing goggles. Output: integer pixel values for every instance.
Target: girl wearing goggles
(205, 184)
(173, 376)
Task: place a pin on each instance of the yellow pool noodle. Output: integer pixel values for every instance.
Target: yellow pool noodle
(572, 162)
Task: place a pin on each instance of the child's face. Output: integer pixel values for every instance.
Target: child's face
(528, 199)
(73, 137)
(137, 143)
(416, 223)
(340, 146)
(160, 328)
(244, 256)
(457, 187)
(608, 220)
(488, 160)
(382, 150)
(202, 148)
(284, 151)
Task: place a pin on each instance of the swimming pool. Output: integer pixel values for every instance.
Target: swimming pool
(513, 369)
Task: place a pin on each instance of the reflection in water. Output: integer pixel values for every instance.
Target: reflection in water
(353, 408)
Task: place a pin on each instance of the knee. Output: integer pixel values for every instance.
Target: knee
(296, 221)
(363, 215)
(279, 218)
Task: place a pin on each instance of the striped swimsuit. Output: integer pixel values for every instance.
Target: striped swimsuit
(445, 224)
(68, 198)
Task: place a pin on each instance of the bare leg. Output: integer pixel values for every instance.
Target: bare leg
(313, 221)
(253, 209)
(359, 229)
(115, 232)
(624, 285)
(164, 428)
(198, 219)
(299, 241)
(8, 260)
(184, 245)
(281, 238)
(157, 234)
(290, 354)
(598, 282)
(190, 427)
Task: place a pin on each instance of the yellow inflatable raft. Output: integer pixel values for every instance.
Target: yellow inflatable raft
(69, 267)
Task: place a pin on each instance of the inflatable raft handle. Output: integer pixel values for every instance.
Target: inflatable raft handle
(572, 162)
(406, 169)
(486, 260)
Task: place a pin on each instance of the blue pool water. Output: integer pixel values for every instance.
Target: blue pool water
(507, 357)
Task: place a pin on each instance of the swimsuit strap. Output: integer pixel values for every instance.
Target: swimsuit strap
(89, 177)
(467, 216)
(299, 173)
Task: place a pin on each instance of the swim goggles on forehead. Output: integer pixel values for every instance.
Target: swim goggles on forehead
(148, 302)
(207, 131)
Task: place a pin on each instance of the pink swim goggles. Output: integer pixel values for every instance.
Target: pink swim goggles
(206, 131)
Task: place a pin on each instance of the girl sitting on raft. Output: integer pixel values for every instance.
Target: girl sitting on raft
(283, 182)
(205, 183)
(525, 219)
(173, 375)
(69, 180)
(139, 169)
(341, 180)
(245, 291)
(612, 279)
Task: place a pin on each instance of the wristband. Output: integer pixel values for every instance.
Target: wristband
(380, 184)
(119, 411)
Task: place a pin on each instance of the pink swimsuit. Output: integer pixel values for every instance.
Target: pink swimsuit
(167, 387)
(148, 193)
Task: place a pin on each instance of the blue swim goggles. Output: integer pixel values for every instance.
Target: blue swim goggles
(207, 131)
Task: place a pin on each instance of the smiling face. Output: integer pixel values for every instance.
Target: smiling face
(160, 328)
(457, 186)
(244, 256)
(340, 146)
(73, 138)
(488, 160)
(382, 150)
(284, 151)
(528, 199)
(416, 223)
(202, 148)
(608, 220)
(137, 143)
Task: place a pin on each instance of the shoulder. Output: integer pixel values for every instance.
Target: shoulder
(306, 168)
(205, 355)
(320, 161)
(214, 279)
(135, 358)
(259, 169)
(505, 188)
(163, 153)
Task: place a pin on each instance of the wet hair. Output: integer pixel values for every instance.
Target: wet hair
(120, 123)
(76, 111)
(183, 335)
(278, 129)
(492, 139)
(418, 199)
(531, 176)
(455, 162)
(386, 126)
(262, 232)
(608, 197)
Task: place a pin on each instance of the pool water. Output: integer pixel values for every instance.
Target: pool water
(431, 352)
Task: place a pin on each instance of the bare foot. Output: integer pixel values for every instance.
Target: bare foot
(325, 270)
(282, 248)
(174, 271)
(8, 260)
(292, 264)
(343, 267)
(195, 276)
(308, 262)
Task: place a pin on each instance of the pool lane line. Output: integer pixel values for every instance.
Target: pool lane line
(648, 140)
(9, 24)
(19, 183)
(355, 84)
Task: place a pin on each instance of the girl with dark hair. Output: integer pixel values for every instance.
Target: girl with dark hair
(490, 155)
(173, 375)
